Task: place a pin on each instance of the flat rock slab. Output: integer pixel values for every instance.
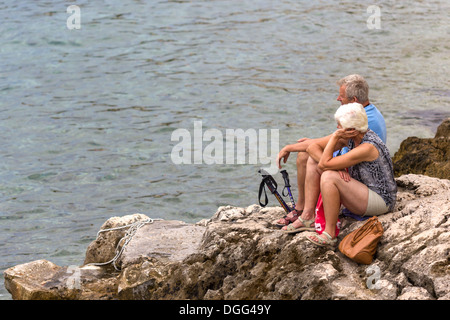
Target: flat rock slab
(27, 281)
(165, 240)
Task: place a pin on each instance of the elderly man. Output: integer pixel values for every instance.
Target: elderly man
(352, 88)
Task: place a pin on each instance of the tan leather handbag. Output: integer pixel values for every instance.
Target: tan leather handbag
(361, 244)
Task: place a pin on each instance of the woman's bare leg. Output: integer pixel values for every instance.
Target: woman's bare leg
(352, 194)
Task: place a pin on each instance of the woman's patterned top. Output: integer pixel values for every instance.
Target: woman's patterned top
(377, 175)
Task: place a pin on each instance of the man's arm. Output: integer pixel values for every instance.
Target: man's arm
(316, 149)
(299, 147)
(302, 146)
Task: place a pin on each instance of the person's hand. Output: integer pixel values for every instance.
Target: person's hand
(302, 139)
(283, 154)
(344, 175)
(346, 133)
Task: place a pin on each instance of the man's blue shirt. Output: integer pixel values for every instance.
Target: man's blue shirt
(376, 121)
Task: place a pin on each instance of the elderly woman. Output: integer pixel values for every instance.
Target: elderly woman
(369, 187)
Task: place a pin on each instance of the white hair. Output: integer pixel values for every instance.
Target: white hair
(352, 115)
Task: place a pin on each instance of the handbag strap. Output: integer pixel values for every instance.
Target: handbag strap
(364, 230)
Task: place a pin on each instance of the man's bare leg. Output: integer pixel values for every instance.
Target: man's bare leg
(302, 158)
(312, 184)
(301, 163)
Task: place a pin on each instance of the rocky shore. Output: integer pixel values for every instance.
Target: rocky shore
(425, 156)
(238, 254)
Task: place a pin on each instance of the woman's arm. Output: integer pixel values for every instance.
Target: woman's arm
(363, 152)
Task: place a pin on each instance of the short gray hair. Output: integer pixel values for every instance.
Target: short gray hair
(352, 115)
(355, 86)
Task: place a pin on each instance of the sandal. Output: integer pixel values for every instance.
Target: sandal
(291, 229)
(328, 241)
(285, 220)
